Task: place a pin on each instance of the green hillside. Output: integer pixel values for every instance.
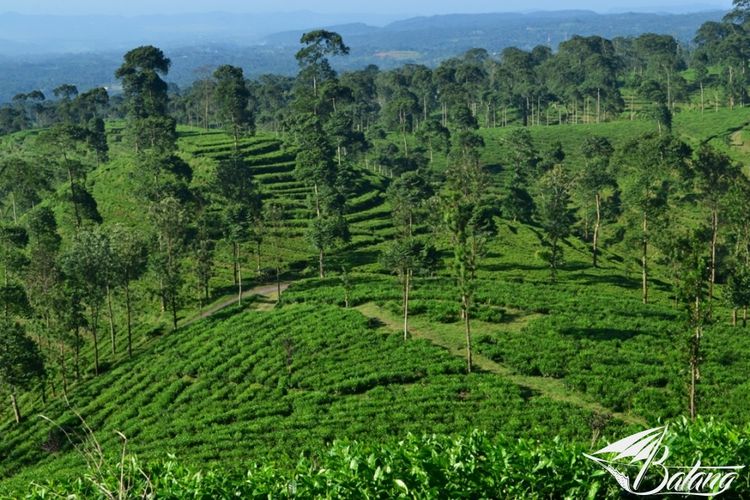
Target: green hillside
(265, 383)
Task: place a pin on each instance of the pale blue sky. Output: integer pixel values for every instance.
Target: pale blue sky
(389, 7)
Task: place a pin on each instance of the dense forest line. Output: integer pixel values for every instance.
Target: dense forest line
(412, 137)
(588, 79)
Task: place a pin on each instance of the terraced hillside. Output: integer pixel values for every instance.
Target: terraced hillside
(576, 357)
(246, 386)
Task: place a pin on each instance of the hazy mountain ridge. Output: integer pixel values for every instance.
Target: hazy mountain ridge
(195, 41)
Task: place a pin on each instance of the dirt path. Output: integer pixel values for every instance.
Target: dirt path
(552, 388)
(268, 291)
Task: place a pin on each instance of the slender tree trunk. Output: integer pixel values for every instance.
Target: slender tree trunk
(14, 403)
(129, 318)
(63, 371)
(234, 261)
(13, 202)
(693, 383)
(174, 311)
(467, 330)
(321, 270)
(695, 364)
(257, 255)
(714, 239)
(555, 257)
(73, 197)
(734, 316)
(407, 285)
(644, 260)
(77, 356)
(163, 305)
(94, 325)
(111, 320)
(317, 200)
(278, 284)
(239, 280)
(597, 224)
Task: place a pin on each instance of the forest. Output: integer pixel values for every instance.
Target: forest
(418, 283)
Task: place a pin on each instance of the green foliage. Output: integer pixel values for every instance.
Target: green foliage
(555, 215)
(472, 465)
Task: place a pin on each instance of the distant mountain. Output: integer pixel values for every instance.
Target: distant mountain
(35, 34)
(257, 44)
(494, 32)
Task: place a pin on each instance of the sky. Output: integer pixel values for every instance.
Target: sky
(381, 7)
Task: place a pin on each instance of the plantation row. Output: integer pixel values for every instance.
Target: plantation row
(273, 385)
(472, 465)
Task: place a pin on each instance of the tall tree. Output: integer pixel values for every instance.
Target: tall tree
(693, 295)
(233, 100)
(468, 220)
(406, 254)
(242, 203)
(129, 253)
(274, 217)
(714, 174)
(22, 184)
(42, 279)
(595, 180)
(653, 162)
(170, 219)
(313, 56)
(87, 264)
(146, 98)
(555, 214)
(20, 362)
(316, 167)
(68, 148)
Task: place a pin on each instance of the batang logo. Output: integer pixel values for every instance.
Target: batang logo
(645, 453)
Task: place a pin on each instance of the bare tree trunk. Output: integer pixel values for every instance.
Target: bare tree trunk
(714, 238)
(257, 255)
(695, 365)
(14, 403)
(74, 199)
(63, 372)
(321, 270)
(234, 261)
(239, 279)
(174, 312)
(693, 383)
(467, 329)
(317, 200)
(129, 319)
(78, 353)
(407, 284)
(13, 201)
(644, 260)
(111, 320)
(94, 325)
(597, 224)
(278, 284)
(734, 316)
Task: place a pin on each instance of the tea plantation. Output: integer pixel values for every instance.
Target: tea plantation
(317, 398)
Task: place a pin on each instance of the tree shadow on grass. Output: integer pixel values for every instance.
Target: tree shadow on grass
(620, 281)
(601, 333)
